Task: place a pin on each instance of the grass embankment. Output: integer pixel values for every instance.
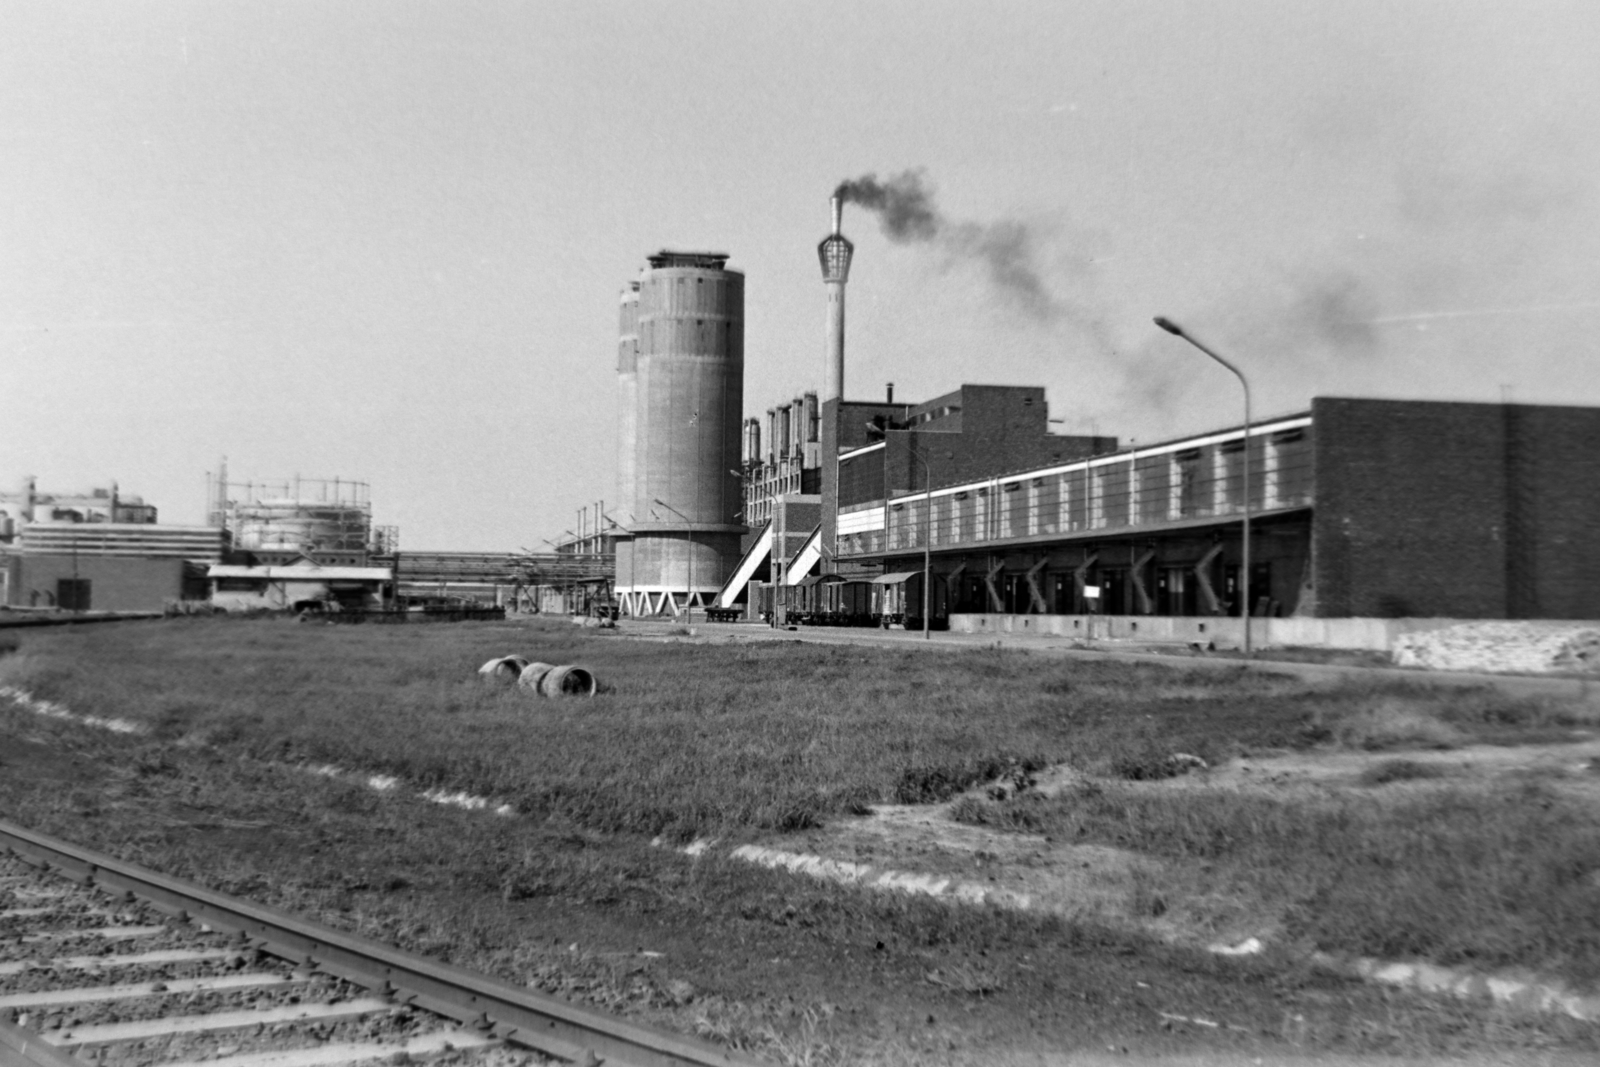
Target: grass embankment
(693, 739)
(734, 740)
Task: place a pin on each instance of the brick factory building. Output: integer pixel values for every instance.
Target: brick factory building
(107, 566)
(1360, 508)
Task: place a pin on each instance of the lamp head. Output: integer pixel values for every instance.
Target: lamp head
(1168, 325)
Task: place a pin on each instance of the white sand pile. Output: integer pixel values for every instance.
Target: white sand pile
(1511, 647)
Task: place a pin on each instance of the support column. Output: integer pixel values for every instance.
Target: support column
(952, 585)
(995, 603)
(1202, 573)
(1136, 573)
(1035, 594)
(1080, 574)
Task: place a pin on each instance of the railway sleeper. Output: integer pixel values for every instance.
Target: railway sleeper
(136, 993)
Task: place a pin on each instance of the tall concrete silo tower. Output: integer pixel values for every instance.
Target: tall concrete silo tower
(627, 426)
(628, 391)
(688, 383)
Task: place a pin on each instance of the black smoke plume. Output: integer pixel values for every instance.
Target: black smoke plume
(1007, 251)
(903, 203)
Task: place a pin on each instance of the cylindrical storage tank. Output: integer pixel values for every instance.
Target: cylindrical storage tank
(302, 525)
(689, 409)
(672, 561)
(784, 434)
(627, 392)
(774, 446)
(797, 427)
(752, 441)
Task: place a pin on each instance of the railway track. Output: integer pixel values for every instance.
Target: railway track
(102, 963)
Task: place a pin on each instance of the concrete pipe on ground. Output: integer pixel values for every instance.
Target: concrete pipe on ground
(503, 669)
(533, 674)
(568, 682)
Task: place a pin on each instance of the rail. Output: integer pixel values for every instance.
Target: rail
(491, 1007)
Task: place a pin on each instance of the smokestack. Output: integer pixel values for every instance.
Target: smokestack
(835, 252)
(890, 398)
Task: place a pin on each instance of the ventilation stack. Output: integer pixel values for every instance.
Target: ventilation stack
(835, 252)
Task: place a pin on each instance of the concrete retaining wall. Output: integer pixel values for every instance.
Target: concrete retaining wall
(1376, 635)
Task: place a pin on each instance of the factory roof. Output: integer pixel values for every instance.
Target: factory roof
(301, 573)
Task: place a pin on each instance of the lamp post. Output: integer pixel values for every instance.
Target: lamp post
(1244, 578)
(688, 600)
(632, 559)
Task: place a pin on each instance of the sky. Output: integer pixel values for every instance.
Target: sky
(384, 241)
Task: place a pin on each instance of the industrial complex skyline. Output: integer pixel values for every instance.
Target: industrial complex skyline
(385, 241)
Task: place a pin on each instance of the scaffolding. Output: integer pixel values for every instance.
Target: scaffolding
(306, 515)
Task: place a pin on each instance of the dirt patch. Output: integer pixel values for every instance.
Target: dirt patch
(930, 849)
(1572, 768)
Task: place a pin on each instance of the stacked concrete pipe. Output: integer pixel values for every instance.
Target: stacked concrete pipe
(546, 679)
(503, 669)
(552, 680)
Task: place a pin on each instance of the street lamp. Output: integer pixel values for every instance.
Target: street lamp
(688, 600)
(1244, 579)
(633, 560)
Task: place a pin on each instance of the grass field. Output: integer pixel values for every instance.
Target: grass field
(737, 740)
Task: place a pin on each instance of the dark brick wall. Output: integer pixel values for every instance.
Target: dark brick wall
(1456, 510)
(860, 479)
(954, 459)
(115, 584)
(1553, 512)
(1002, 430)
(996, 430)
(792, 522)
(843, 425)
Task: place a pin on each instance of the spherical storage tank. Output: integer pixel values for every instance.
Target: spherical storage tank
(688, 405)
